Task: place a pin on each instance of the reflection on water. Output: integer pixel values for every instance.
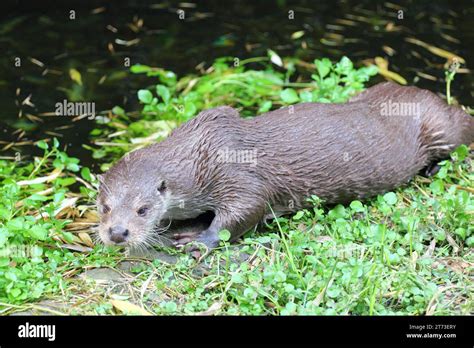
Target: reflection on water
(51, 54)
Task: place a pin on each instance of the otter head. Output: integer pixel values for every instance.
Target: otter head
(135, 195)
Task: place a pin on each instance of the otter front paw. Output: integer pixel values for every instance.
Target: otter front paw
(207, 237)
(182, 239)
(186, 242)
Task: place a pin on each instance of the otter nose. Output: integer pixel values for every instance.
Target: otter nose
(118, 234)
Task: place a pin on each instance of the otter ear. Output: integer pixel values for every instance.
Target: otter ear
(161, 187)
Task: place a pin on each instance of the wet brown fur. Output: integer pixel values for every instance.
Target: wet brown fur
(339, 152)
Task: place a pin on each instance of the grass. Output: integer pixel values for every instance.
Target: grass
(405, 252)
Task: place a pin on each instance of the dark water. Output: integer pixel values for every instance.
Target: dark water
(43, 31)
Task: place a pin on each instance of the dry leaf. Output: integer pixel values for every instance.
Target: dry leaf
(212, 310)
(75, 247)
(435, 50)
(128, 307)
(75, 76)
(297, 34)
(382, 64)
(54, 174)
(67, 203)
(86, 238)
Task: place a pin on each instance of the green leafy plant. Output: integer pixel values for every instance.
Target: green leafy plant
(450, 73)
(31, 230)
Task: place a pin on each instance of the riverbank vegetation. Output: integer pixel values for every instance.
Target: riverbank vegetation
(405, 252)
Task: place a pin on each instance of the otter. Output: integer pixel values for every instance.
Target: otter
(236, 172)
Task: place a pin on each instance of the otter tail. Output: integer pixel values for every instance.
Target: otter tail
(443, 128)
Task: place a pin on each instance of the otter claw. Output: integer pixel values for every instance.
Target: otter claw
(188, 235)
(183, 241)
(192, 250)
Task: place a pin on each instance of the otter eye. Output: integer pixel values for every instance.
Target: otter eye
(142, 211)
(105, 209)
(162, 187)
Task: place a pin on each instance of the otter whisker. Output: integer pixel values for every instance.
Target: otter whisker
(162, 229)
(151, 239)
(104, 187)
(158, 240)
